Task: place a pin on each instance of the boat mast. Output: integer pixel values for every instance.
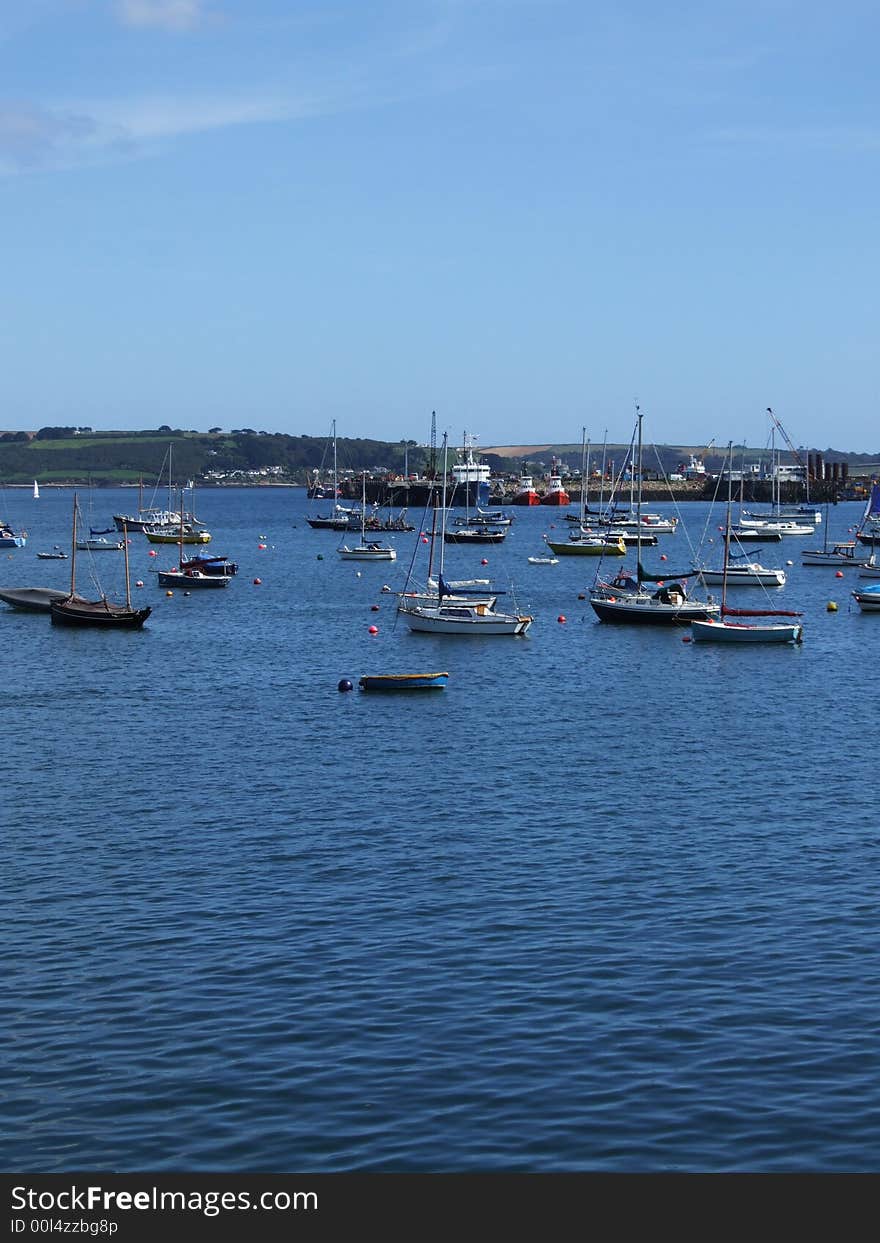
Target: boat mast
(602, 480)
(727, 528)
(639, 504)
(583, 476)
(180, 536)
(442, 522)
(73, 551)
(363, 507)
(433, 530)
(127, 580)
(335, 483)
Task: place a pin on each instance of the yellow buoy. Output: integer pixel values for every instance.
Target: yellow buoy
(831, 606)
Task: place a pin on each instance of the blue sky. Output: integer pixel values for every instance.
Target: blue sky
(526, 215)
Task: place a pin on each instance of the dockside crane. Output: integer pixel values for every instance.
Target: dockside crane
(785, 436)
(431, 472)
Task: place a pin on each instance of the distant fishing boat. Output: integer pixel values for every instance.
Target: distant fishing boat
(556, 493)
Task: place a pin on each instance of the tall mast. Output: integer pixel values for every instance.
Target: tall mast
(602, 481)
(335, 484)
(443, 504)
(73, 551)
(127, 582)
(639, 503)
(583, 475)
(727, 526)
(180, 536)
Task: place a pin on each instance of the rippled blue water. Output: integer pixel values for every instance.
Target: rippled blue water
(609, 902)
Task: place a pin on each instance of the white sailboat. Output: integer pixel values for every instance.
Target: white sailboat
(36, 491)
(366, 550)
(797, 519)
(734, 570)
(725, 629)
(456, 615)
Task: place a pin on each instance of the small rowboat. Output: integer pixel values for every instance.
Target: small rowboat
(403, 681)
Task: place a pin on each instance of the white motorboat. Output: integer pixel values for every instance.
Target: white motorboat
(785, 526)
(460, 618)
(868, 599)
(744, 574)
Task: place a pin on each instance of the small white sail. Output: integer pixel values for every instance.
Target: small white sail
(36, 491)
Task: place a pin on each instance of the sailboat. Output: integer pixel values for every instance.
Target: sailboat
(626, 599)
(36, 491)
(735, 571)
(366, 550)
(150, 516)
(483, 529)
(456, 615)
(724, 630)
(75, 611)
(194, 532)
(868, 531)
(338, 520)
(186, 574)
(787, 519)
(740, 534)
(585, 542)
(841, 553)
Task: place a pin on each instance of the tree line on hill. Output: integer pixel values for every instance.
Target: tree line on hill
(81, 455)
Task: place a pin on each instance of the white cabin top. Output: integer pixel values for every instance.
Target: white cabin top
(468, 470)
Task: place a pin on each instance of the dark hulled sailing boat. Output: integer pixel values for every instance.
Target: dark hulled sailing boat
(75, 611)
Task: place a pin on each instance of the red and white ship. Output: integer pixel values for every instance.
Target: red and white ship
(526, 494)
(556, 493)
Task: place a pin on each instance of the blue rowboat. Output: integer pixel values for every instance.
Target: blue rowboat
(403, 681)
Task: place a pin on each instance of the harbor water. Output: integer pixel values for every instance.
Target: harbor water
(608, 902)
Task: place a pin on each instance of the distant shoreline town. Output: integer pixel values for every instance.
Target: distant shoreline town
(399, 472)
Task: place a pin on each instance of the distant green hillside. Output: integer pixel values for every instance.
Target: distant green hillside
(82, 456)
(111, 458)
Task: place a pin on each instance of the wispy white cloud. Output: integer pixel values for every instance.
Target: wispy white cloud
(163, 14)
(157, 117)
(32, 136)
(38, 137)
